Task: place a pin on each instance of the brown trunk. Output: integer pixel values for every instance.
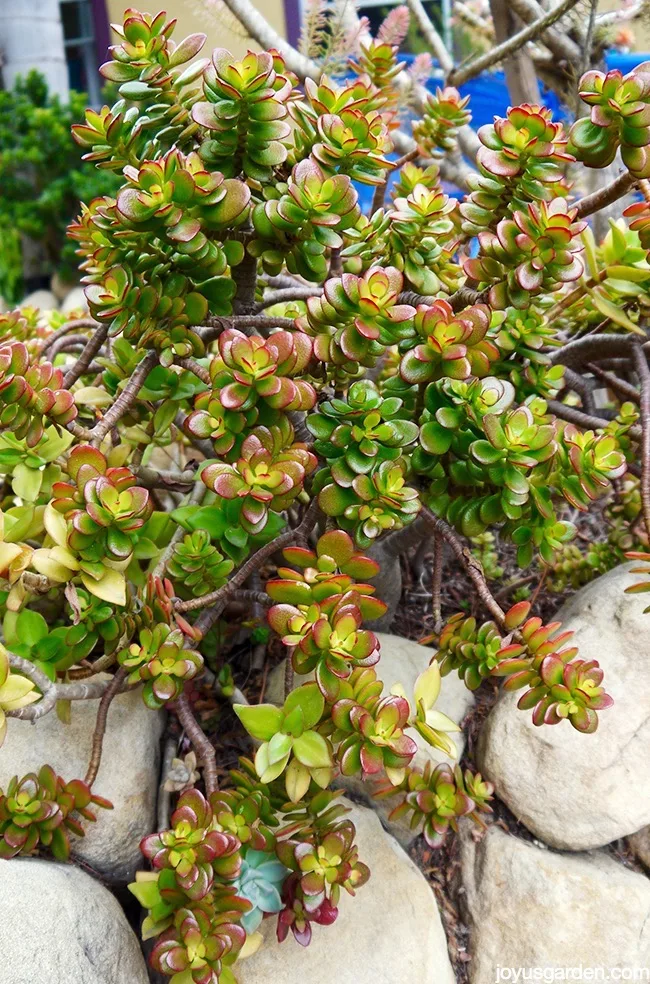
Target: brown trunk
(521, 77)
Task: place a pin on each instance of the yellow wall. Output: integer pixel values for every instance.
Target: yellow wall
(208, 16)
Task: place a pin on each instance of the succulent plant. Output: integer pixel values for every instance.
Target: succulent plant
(435, 799)
(374, 503)
(289, 740)
(432, 725)
(161, 661)
(325, 863)
(452, 346)
(269, 367)
(197, 565)
(297, 917)
(244, 114)
(328, 639)
(36, 811)
(269, 475)
(443, 114)
(534, 251)
(326, 574)
(357, 317)
(474, 651)
(31, 394)
(421, 240)
(201, 943)
(595, 459)
(257, 369)
(356, 434)
(570, 692)
(94, 521)
(371, 738)
(521, 160)
(260, 881)
(298, 226)
(16, 691)
(247, 814)
(192, 849)
(619, 117)
(377, 61)
(210, 419)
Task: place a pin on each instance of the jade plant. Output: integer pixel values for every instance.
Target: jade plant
(275, 382)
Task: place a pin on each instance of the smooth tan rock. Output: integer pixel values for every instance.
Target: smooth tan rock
(128, 774)
(60, 926)
(42, 299)
(529, 907)
(61, 288)
(390, 933)
(577, 791)
(74, 300)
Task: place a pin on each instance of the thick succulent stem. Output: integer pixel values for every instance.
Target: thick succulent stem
(468, 561)
(643, 372)
(82, 364)
(582, 419)
(605, 196)
(125, 400)
(245, 277)
(52, 692)
(200, 742)
(100, 724)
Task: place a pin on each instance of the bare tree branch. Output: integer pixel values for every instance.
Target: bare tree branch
(431, 36)
(253, 563)
(464, 73)
(285, 294)
(468, 561)
(93, 345)
(556, 41)
(259, 29)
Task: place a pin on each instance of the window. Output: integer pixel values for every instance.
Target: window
(80, 47)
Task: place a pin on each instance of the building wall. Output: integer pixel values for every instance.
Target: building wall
(208, 16)
(31, 36)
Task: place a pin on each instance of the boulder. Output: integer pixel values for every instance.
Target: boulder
(401, 661)
(577, 791)
(59, 287)
(387, 583)
(532, 908)
(60, 926)
(74, 300)
(42, 299)
(390, 932)
(128, 774)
